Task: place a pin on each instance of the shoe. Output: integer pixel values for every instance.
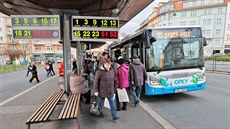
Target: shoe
(30, 81)
(135, 103)
(123, 108)
(101, 115)
(118, 109)
(38, 82)
(115, 118)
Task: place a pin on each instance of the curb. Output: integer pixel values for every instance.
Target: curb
(164, 123)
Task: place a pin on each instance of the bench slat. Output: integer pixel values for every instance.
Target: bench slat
(74, 105)
(77, 108)
(67, 108)
(70, 108)
(48, 106)
(46, 109)
(52, 108)
(39, 110)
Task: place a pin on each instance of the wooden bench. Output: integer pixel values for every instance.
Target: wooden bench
(70, 110)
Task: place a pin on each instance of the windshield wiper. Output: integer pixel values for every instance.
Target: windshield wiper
(164, 66)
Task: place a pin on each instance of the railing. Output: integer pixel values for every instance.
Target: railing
(10, 68)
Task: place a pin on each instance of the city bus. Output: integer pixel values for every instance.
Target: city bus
(173, 58)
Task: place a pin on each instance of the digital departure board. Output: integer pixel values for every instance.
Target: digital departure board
(102, 23)
(87, 28)
(35, 34)
(176, 33)
(36, 27)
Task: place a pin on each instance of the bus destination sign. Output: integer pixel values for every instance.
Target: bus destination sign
(36, 27)
(87, 28)
(176, 33)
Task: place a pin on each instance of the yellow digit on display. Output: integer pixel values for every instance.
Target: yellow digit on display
(35, 21)
(26, 33)
(16, 21)
(86, 21)
(25, 20)
(18, 33)
(76, 21)
(94, 22)
(53, 20)
(104, 22)
(77, 33)
(113, 23)
(44, 20)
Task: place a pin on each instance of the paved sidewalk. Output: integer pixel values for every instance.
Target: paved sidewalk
(14, 114)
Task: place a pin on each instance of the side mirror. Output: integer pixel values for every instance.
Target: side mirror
(204, 41)
(153, 39)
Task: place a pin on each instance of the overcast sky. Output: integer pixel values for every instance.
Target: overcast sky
(134, 24)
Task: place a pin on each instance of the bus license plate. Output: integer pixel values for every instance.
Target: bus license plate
(180, 90)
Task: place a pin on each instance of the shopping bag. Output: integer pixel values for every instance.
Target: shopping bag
(106, 102)
(122, 95)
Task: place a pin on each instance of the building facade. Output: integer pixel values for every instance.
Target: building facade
(227, 30)
(33, 50)
(209, 14)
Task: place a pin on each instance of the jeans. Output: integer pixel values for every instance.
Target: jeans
(135, 91)
(111, 103)
(48, 72)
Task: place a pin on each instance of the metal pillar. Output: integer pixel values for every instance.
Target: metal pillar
(79, 56)
(66, 50)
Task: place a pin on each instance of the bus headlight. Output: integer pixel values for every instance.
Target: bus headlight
(154, 81)
(202, 77)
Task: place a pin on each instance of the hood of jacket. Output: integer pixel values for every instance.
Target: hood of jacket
(137, 62)
(124, 66)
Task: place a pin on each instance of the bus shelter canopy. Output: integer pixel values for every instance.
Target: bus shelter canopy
(124, 9)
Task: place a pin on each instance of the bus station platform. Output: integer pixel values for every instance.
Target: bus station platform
(15, 112)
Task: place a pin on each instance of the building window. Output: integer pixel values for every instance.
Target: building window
(13, 47)
(217, 43)
(1, 38)
(208, 32)
(193, 13)
(0, 20)
(205, 12)
(1, 47)
(204, 22)
(183, 14)
(24, 47)
(228, 26)
(0, 30)
(219, 10)
(202, 2)
(209, 21)
(218, 21)
(37, 47)
(220, 1)
(183, 23)
(192, 22)
(210, 11)
(203, 32)
(185, 4)
(217, 31)
(59, 48)
(228, 37)
(194, 3)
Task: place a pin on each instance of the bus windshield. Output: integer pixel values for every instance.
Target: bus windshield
(174, 53)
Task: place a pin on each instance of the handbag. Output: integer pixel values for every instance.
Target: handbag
(94, 109)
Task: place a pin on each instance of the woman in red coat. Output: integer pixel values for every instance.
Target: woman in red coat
(122, 80)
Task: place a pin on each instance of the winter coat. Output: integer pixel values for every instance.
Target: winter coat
(104, 82)
(77, 85)
(122, 77)
(60, 69)
(34, 71)
(137, 73)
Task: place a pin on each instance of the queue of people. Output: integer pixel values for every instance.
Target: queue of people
(108, 76)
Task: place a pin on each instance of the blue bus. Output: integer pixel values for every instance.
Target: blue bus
(173, 57)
